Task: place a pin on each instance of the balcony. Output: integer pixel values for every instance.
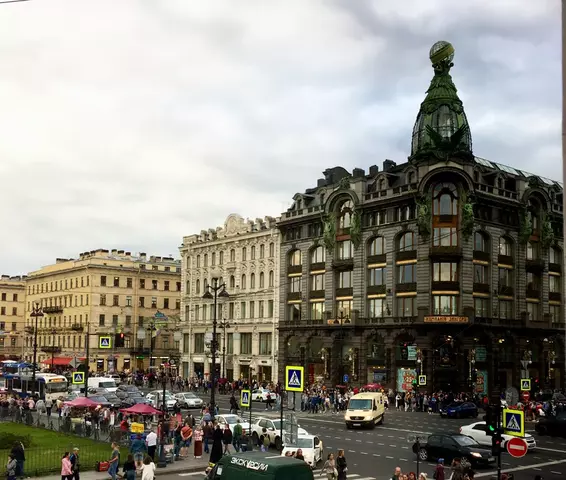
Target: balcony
(318, 266)
(51, 349)
(555, 296)
(377, 259)
(293, 296)
(376, 289)
(532, 293)
(316, 294)
(482, 288)
(344, 292)
(506, 260)
(405, 255)
(506, 291)
(343, 264)
(294, 269)
(449, 253)
(389, 321)
(534, 265)
(555, 267)
(446, 286)
(499, 322)
(52, 310)
(482, 256)
(406, 287)
(77, 327)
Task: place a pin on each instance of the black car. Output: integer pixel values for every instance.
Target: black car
(102, 401)
(453, 446)
(459, 410)
(554, 425)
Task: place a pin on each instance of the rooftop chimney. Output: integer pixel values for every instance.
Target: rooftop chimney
(388, 165)
(373, 170)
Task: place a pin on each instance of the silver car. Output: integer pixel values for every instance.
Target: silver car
(188, 400)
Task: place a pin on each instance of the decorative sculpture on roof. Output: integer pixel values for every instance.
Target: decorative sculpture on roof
(356, 229)
(441, 129)
(329, 235)
(467, 217)
(526, 227)
(424, 215)
(546, 232)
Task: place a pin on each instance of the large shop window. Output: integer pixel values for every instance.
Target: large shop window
(445, 304)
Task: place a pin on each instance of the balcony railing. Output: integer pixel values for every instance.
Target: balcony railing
(534, 265)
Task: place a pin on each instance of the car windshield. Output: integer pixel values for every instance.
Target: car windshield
(56, 387)
(233, 420)
(277, 424)
(359, 404)
(454, 405)
(107, 384)
(465, 441)
(96, 398)
(304, 442)
(190, 395)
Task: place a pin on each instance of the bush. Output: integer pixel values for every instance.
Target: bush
(8, 439)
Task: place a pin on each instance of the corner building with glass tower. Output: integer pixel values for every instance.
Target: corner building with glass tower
(447, 267)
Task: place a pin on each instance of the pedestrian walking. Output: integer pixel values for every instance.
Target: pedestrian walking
(114, 462)
(341, 465)
(227, 438)
(439, 470)
(148, 469)
(151, 442)
(75, 464)
(20, 456)
(66, 467)
(197, 436)
(129, 468)
(237, 436)
(329, 468)
(11, 467)
(216, 451)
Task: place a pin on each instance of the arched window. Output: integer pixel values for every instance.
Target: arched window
(505, 247)
(295, 258)
(407, 242)
(535, 212)
(232, 282)
(345, 214)
(197, 287)
(271, 278)
(445, 215)
(243, 282)
(213, 259)
(198, 261)
(252, 253)
(232, 255)
(480, 242)
(221, 258)
(376, 246)
(206, 260)
(252, 281)
(318, 255)
(262, 251)
(555, 256)
(261, 280)
(244, 254)
(205, 284)
(271, 249)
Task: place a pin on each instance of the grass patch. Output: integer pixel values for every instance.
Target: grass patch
(46, 447)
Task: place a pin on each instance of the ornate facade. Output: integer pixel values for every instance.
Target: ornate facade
(448, 267)
(243, 256)
(12, 314)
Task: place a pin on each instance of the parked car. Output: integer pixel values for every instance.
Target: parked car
(127, 390)
(231, 420)
(131, 401)
(452, 446)
(188, 400)
(102, 401)
(311, 446)
(273, 428)
(459, 410)
(554, 425)
(260, 395)
(478, 431)
(155, 400)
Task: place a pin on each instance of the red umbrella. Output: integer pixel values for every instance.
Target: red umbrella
(82, 402)
(372, 386)
(141, 409)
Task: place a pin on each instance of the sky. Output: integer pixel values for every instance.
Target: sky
(129, 124)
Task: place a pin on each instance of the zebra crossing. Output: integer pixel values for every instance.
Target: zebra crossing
(316, 473)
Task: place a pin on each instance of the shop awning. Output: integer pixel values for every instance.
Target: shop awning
(61, 361)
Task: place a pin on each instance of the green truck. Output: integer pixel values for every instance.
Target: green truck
(260, 466)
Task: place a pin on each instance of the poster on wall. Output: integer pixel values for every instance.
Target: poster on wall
(481, 382)
(405, 377)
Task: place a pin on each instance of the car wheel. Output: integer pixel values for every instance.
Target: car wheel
(278, 444)
(381, 420)
(423, 454)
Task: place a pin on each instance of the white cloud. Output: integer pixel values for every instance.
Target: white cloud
(130, 124)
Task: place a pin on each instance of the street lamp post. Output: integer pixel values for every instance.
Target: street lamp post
(36, 313)
(224, 325)
(214, 292)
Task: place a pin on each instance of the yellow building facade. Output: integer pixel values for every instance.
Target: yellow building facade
(112, 298)
(12, 314)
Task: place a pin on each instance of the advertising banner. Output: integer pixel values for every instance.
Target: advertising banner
(405, 378)
(481, 382)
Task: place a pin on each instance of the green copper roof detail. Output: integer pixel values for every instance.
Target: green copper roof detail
(441, 129)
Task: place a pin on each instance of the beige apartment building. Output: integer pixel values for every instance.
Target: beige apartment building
(117, 300)
(244, 255)
(12, 315)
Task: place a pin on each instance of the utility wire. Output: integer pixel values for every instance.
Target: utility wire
(13, 1)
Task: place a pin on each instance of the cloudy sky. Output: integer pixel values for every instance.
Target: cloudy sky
(128, 124)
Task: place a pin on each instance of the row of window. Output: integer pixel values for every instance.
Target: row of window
(265, 346)
(232, 255)
(144, 283)
(245, 283)
(4, 297)
(4, 311)
(64, 321)
(155, 302)
(247, 310)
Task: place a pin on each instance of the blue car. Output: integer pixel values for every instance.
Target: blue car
(459, 410)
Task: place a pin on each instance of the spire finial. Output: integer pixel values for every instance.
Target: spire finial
(441, 55)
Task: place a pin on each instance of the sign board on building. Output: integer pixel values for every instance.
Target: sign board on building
(245, 398)
(445, 319)
(514, 422)
(104, 342)
(294, 379)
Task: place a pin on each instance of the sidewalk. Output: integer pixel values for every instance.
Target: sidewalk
(186, 465)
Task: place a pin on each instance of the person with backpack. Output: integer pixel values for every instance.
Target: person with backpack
(237, 436)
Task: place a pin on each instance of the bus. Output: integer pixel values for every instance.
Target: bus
(48, 386)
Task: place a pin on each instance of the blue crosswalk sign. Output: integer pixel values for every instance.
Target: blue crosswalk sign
(245, 398)
(514, 422)
(294, 379)
(104, 342)
(78, 378)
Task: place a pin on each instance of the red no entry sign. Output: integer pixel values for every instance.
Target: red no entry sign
(517, 447)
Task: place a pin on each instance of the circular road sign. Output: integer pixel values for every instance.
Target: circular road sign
(517, 447)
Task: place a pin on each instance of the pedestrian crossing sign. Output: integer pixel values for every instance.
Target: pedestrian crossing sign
(294, 379)
(78, 378)
(104, 342)
(422, 380)
(525, 385)
(514, 422)
(245, 398)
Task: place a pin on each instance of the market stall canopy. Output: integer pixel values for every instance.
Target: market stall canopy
(141, 409)
(82, 402)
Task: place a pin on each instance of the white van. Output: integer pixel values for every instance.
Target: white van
(365, 410)
(102, 382)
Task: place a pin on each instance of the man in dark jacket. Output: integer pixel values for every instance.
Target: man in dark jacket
(20, 457)
(75, 464)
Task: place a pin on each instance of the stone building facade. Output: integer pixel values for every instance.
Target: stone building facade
(105, 293)
(243, 256)
(444, 271)
(12, 315)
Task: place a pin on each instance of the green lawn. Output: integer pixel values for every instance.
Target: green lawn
(44, 455)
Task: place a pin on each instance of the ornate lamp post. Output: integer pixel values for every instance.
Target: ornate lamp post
(213, 292)
(224, 325)
(36, 313)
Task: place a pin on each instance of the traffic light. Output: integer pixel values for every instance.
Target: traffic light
(496, 441)
(119, 340)
(490, 421)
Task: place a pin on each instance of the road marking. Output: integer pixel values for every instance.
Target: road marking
(550, 450)
(556, 473)
(403, 459)
(351, 451)
(376, 455)
(190, 474)
(394, 446)
(363, 453)
(522, 467)
(389, 457)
